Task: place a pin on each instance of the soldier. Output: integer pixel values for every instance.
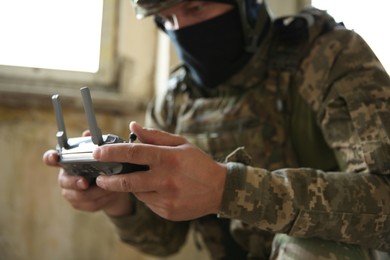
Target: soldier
(273, 140)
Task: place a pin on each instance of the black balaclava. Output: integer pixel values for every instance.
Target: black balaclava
(212, 50)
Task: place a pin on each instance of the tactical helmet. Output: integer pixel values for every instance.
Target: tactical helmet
(144, 8)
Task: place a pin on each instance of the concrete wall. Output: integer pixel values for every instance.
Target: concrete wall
(35, 221)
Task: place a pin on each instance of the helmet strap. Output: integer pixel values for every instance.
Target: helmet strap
(252, 33)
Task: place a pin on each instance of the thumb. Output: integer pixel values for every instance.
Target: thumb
(50, 158)
(156, 137)
(86, 133)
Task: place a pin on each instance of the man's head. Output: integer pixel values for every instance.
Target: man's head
(144, 8)
(248, 9)
(214, 38)
(188, 13)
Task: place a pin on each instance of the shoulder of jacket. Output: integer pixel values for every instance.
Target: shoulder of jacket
(332, 56)
(308, 24)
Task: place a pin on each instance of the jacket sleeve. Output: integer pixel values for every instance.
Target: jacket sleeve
(150, 233)
(352, 102)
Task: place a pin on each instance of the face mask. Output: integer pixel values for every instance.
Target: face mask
(212, 50)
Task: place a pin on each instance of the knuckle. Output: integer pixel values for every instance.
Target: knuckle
(130, 152)
(125, 185)
(73, 196)
(69, 195)
(61, 178)
(169, 184)
(78, 201)
(66, 181)
(107, 152)
(64, 194)
(173, 159)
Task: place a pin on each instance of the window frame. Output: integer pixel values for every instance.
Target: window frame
(25, 80)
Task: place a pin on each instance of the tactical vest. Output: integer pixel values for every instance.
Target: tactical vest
(253, 110)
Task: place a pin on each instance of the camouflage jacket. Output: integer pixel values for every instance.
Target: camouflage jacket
(312, 173)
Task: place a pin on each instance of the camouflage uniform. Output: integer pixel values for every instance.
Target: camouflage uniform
(310, 178)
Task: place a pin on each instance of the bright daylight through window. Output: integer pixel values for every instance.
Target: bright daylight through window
(368, 18)
(51, 34)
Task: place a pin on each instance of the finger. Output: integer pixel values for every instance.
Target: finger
(132, 153)
(132, 182)
(72, 182)
(156, 137)
(91, 195)
(86, 133)
(92, 200)
(50, 158)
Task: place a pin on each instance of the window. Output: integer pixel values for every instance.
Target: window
(57, 43)
(368, 18)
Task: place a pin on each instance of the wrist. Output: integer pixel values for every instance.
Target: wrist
(235, 180)
(220, 186)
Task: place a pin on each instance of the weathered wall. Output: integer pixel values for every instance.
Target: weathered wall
(36, 223)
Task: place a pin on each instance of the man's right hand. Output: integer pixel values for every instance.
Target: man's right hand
(83, 196)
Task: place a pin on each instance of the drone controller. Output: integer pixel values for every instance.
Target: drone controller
(75, 154)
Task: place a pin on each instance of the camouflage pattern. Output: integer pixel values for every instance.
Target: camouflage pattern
(290, 248)
(144, 8)
(311, 177)
(150, 233)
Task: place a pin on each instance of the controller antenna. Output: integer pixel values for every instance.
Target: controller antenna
(96, 133)
(61, 134)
